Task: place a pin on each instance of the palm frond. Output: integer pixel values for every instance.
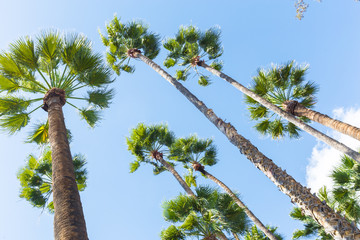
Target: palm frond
(24, 52)
(100, 97)
(13, 123)
(91, 116)
(12, 105)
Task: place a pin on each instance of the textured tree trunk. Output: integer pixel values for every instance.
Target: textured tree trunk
(235, 236)
(183, 184)
(299, 110)
(319, 135)
(69, 222)
(177, 176)
(257, 221)
(332, 222)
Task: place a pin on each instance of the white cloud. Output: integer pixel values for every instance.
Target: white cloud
(324, 158)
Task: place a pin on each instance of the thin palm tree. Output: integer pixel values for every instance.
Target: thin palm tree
(192, 48)
(36, 179)
(302, 196)
(151, 144)
(203, 217)
(196, 153)
(285, 87)
(50, 69)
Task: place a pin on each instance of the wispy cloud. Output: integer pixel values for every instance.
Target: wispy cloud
(324, 158)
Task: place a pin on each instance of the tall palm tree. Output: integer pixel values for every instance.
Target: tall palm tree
(196, 153)
(204, 216)
(285, 87)
(151, 144)
(192, 48)
(51, 68)
(36, 179)
(287, 184)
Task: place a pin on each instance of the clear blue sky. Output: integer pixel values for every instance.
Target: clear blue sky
(256, 33)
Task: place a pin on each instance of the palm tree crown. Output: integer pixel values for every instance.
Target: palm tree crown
(189, 47)
(123, 40)
(148, 143)
(51, 64)
(210, 213)
(279, 85)
(36, 179)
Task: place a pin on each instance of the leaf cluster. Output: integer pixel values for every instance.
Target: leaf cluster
(207, 215)
(277, 85)
(190, 44)
(255, 234)
(121, 37)
(36, 179)
(144, 140)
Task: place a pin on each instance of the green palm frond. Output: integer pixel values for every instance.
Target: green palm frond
(8, 85)
(13, 123)
(100, 97)
(48, 49)
(25, 53)
(172, 233)
(91, 116)
(277, 85)
(11, 105)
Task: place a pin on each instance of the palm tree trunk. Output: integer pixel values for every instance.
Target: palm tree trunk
(257, 221)
(319, 135)
(235, 236)
(299, 110)
(184, 185)
(332, 222)
(69, 221)
(177, 176)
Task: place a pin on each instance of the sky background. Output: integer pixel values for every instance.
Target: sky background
(256, 33)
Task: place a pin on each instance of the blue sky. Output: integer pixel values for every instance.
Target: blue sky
(256, 33)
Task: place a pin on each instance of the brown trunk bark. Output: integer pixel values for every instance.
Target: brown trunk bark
(184, 185)
(323, 137)
(257, 222)
(301, 111)
(332, 222)
(69, 222)
(177, 176)
(235, 236)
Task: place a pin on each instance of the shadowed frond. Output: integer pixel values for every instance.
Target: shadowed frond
(13, 123)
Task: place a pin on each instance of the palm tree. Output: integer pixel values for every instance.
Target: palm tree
(191, 48)
(204, 216)
(255, 234)
(36, 179)
(284, 86)
(151, 144)
(287, 184)
(194, 153)
(50, 69)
